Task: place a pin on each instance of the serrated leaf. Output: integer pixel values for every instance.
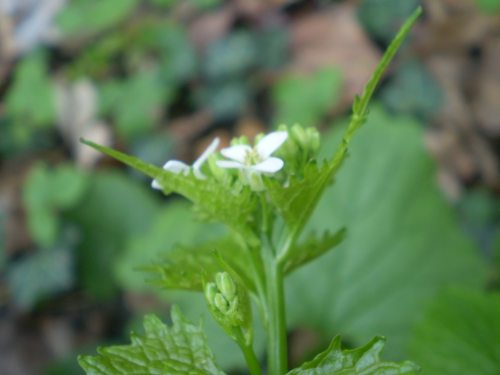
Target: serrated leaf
(178, 350)
(360, 361)
(404, 242)
(302, 194)
(459, 334)
(189, 268)
(215, 201)
(312, 248)
(148, 248)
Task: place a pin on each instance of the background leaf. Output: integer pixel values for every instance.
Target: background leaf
(45, 194)
(40, 275)
(403, 243)
(114, 209)
(304, 99)
(459, 334)
(91, 16)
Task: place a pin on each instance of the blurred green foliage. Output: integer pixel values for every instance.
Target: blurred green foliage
(48, 192)
(382, 18)
(42, 274)
(114, 209)
(413, 91)
(403, 243)
(92, 16)
(459, 334)
(489, 6)
(135, 103)
(29, 107)
(301, 99)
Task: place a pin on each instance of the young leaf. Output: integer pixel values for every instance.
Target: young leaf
(312, 248)
(188, 268)
(460, 334)
(298, 200)
(215, 201)
(179, 349)
(360, 361)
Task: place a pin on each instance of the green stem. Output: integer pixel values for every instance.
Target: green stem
(276, 328)
(250, 357)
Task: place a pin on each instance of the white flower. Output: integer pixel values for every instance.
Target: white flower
(258, 158)
(176, 166)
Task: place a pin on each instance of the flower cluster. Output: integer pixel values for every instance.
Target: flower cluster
(252, 161)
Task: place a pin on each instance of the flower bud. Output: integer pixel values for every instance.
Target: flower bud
(226, 285)
(221, 303)
(210, 293)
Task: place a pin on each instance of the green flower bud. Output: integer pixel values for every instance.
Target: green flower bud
(221, 303)
(226, 285)
(242, 140)
(210, 293)
(229, 304)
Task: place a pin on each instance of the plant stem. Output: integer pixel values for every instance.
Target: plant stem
(250, 357)
(276, 328)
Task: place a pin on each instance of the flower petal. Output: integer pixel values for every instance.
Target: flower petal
(229, 164)
(271, 143)
(237, 152)
(155, 185)
(270, 165)
(206, 154)
(176, 166)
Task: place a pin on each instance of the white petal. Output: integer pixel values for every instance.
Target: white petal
(176, 166)
(198, 174)
(206, 154)
(156, 185)
(229, 164)
(271, 143)
(237, 152)
(270, 165)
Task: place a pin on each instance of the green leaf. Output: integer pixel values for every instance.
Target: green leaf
(231, 57)
(189, 267)
(214, 200)
(459, 334)
(297, 200)
(114, 210)
(40, 275)
(163, 235)
(179, 349)
(404, 242)
(135, 103)
(381, 18)
(361, 361)
(47, 192)
(92, 16)
(305, 99)
(161, 239)
(312, 248)
(31, 100)
(489, 6)
(413, 91)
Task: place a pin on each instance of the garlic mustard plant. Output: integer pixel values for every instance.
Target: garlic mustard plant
(264, 201)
